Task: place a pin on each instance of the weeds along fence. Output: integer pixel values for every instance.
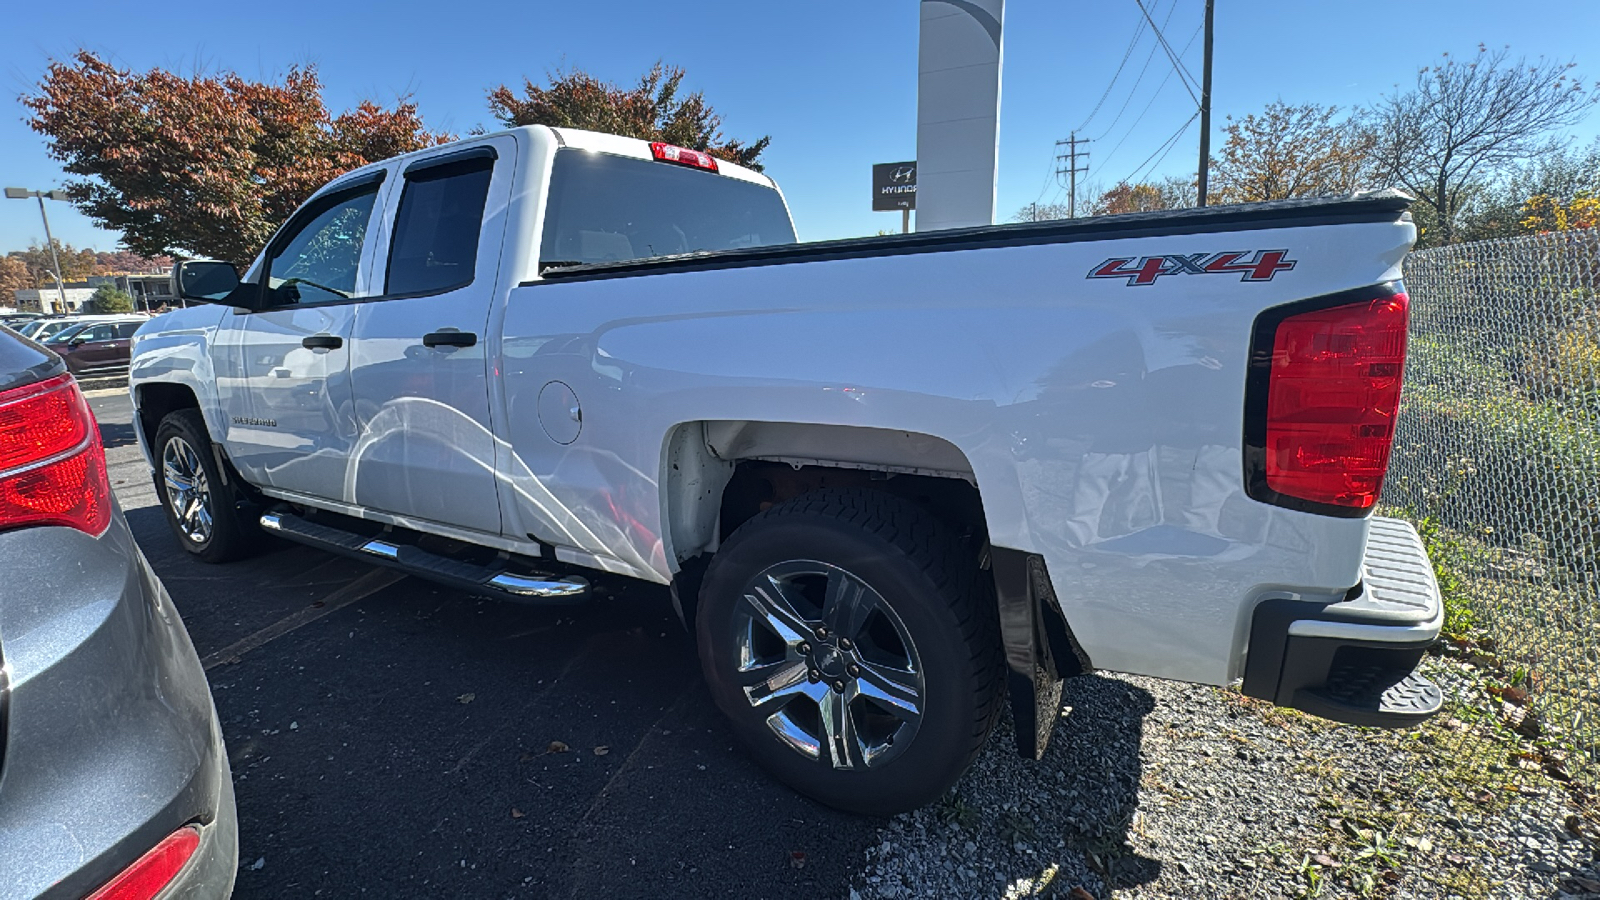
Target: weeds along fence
(1497, 460)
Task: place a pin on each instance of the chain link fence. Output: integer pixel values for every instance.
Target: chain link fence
(1497, 461)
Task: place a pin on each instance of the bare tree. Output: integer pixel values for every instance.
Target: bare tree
(1040, 212)
(1465, 121)
(1179, 191)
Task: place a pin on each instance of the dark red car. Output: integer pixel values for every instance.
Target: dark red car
(96, 348)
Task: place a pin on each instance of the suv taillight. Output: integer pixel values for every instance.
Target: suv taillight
(1320, 410)
(152, 872)
(52, 466)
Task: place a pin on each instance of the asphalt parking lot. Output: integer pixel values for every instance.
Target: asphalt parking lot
(390, 737)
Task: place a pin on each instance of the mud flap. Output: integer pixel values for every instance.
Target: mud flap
(1040, 649)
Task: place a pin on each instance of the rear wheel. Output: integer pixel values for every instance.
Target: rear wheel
(197, 499)
(852, 641)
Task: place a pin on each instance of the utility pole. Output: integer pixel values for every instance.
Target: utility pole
(22, 194)
(1071, 157)
(1205, 109)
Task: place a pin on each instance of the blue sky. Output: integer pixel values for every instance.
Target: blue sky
(833, 82)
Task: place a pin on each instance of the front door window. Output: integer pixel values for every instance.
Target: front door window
(318, 260)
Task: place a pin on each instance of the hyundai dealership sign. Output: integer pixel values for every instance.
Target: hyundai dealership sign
(894, 186)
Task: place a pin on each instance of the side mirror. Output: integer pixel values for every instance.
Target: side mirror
(207, 281)
(76, 342)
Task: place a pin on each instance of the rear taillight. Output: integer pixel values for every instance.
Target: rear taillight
(52, 466)
(683, 156)
(1324, 391)
(154, 870)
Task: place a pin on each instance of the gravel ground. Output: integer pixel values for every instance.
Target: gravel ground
(1152, 789)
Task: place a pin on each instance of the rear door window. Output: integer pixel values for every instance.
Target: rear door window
(436, 228)
(606, 208)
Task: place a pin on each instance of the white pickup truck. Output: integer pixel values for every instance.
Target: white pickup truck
(892, 481)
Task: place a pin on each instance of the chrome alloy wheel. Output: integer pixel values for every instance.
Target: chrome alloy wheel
(188, 491)
(829, 663)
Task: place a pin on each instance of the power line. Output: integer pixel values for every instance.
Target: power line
(1183, 74)
(1202, 182)
(1050, 177)
(1071, 157)
(1138, 31)
(1151, 102)
(1163, 157)
(1149, 57)
(1165, 147)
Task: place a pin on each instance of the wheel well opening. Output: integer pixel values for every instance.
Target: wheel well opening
(157, 401)
(757, 485)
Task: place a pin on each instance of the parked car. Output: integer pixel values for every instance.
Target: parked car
(45, 327)
(113, 777)
(893, 481)
(96, 348)
(28, 328)
(17, 320)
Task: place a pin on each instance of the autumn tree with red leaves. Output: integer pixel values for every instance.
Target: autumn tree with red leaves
(206, 165)
(126, 262)
(76, 265)
(14, 276)
(651, 110)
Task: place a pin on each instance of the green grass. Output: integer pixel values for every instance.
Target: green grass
(1499, 469)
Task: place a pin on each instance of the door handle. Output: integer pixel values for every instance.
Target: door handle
(449, 339)
(322, 342)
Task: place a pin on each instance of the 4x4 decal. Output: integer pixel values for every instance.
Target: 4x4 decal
(1262, 265)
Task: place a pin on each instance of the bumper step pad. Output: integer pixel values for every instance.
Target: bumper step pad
(1372, 695)
(504, 584)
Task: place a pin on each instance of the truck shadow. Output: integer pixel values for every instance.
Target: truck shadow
(116, 434)
(422, 742)
(1095, 757)
(575, 751)
(1046, 826)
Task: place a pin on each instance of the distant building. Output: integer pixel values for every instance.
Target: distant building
(149, 291)
(48, 299)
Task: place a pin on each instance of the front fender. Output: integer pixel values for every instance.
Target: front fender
(177, 349)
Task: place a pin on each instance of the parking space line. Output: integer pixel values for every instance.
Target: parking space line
(601, 795)
(362, 587)
(535, 700)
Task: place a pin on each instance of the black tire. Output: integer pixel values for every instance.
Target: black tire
(229, 536)
(942, 614)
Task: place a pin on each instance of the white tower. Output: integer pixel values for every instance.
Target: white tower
(958, 112)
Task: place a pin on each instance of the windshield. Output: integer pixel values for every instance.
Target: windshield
(50, 328)
(606, 208)
(63, 334)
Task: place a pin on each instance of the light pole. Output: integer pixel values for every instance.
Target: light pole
(13, 193)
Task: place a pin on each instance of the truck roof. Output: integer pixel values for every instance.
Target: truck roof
(575, 138)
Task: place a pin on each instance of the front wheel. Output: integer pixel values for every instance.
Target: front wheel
(852, 642)
(198, 502)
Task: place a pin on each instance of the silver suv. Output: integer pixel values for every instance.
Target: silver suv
(113, 777)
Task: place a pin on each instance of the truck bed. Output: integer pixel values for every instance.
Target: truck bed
(1376, 206)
